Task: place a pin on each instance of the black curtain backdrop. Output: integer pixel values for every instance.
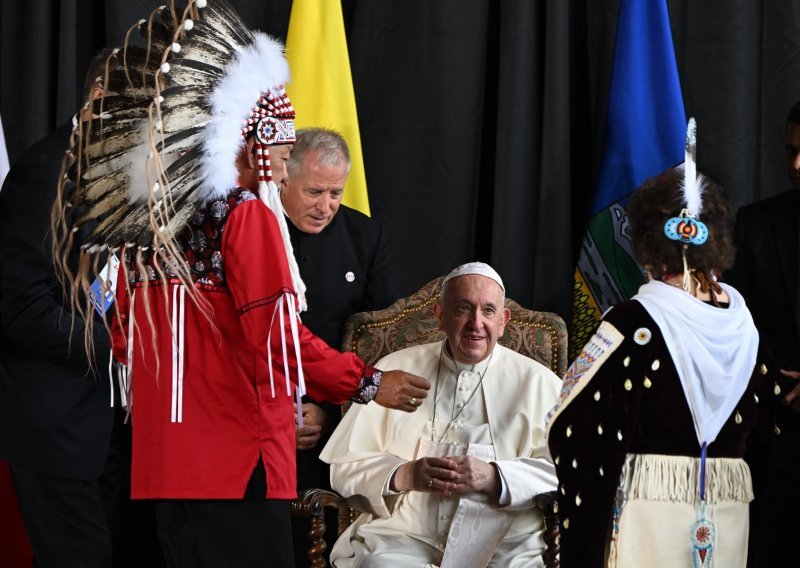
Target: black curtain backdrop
(481, 120)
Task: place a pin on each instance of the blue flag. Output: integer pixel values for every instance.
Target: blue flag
(645, 131)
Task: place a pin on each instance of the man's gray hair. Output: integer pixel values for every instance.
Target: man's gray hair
(329, 144)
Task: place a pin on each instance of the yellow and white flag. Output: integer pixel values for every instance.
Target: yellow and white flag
(321, 87)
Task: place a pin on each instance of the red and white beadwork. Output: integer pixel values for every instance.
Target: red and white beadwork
(272, 119)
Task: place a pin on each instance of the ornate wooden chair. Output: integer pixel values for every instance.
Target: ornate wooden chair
(410, 321)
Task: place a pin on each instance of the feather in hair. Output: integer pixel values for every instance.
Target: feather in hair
(693, 183)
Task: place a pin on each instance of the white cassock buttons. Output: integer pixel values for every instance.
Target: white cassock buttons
(349, 276)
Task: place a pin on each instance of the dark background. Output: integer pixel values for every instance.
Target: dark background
(481, 120)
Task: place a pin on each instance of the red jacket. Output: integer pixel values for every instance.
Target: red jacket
(203, 410)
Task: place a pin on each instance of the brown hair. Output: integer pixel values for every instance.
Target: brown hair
(660, 198)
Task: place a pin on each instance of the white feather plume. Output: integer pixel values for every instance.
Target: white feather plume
(693, 183)
(256, 68)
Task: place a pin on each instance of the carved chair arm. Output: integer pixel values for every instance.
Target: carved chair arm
(310, 504)
(548, 503)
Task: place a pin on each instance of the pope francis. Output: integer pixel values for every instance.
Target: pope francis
(452, 484)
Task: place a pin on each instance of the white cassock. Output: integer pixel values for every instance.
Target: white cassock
(494, 410)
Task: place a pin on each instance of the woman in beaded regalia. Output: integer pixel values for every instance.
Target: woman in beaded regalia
(671, 402)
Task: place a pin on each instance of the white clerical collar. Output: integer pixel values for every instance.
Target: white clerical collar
(457, 367)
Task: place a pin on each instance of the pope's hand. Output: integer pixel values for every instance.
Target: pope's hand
(475, 475)
(402, 391)
(434, 475)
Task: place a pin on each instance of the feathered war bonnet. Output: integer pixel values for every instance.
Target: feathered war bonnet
(687, 228)
(164, 138)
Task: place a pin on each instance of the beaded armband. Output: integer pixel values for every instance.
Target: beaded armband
(368, 387)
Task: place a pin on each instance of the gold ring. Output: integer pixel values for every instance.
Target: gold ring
(429, 483)
(412, 401)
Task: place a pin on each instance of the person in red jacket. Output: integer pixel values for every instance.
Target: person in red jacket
(207, 294)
